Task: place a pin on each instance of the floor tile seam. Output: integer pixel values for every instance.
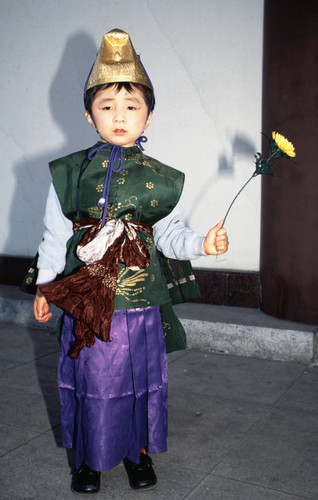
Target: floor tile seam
(207, 350)
(213, 473)
(238, 443)
(39, 393)
(172, 461)
(268, 407)
(271, 406)
(313, 413)
(258, 424)
(290, 386)
(31, 429)
(231, 400)
(33, 360)
(42, 433)
(18, 427)
(196, 486)
(251, 483)
(183, 353)
(204, 351)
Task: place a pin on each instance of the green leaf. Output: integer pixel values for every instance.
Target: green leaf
(262, 166)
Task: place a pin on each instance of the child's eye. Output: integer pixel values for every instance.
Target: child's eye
(106, 108)
(132, 108)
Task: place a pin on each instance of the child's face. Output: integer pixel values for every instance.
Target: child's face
(120, 117)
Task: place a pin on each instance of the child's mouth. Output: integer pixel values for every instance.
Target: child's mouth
(120, 131)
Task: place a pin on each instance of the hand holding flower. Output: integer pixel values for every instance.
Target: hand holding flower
(216, 241)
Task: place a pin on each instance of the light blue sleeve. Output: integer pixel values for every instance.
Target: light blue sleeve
(174, 239)
(52, 249)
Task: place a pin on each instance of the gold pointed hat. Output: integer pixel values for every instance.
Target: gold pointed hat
(117, 61)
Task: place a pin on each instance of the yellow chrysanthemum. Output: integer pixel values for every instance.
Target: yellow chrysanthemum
(284, 144)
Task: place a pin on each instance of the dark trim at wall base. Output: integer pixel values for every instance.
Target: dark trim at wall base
(226, 288)
(13, 269)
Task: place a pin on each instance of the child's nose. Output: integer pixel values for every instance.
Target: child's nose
(119, 116)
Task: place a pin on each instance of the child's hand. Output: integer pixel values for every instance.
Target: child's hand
(216, 241)
(41, 308)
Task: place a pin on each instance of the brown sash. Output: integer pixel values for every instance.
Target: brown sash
(89, 294)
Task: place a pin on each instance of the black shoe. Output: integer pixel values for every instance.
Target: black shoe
(85, 480)
(140, 475)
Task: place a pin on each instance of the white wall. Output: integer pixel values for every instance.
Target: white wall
(204, 59)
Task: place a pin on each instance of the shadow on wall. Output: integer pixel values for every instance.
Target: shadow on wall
(241, 147)
(32, 175)
(32, 183)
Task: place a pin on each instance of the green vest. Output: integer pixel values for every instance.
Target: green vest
(145, 190)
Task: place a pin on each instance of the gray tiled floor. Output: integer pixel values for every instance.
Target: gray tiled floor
(239, 428)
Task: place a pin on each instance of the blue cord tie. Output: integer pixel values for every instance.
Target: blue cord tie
(94, 151)
(103, 201)
(141, 139)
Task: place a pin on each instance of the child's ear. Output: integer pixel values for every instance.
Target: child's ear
(149, 120)
(89, 118)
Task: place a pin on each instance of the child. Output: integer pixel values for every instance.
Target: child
(112, 214)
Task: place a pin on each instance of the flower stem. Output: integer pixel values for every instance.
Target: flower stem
(273, 154)
(253, 175)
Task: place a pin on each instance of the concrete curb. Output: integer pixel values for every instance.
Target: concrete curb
(259, 342)
(248, 332)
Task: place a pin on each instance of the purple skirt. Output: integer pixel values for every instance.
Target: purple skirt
(114, 396)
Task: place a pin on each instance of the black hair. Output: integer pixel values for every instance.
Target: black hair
(146, 92)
